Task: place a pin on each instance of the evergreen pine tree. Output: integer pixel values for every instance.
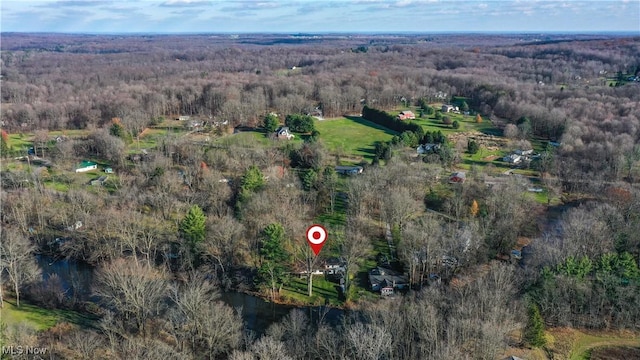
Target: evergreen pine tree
(534, 332)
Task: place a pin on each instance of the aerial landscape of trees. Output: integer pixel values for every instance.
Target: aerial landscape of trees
(193, 198)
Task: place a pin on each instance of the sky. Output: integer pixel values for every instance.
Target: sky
(318, 16)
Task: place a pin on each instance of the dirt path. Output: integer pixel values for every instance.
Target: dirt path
(144, 132)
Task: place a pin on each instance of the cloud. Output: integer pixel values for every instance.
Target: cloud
(185, 3)
(317, 15)
(73, 4)
(88, 3)
(319, 6)
(251, 5)
(404, 3)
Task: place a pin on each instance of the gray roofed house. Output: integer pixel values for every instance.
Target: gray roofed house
(349, 170)
(512, 159)
(383, 278)
(283, 133)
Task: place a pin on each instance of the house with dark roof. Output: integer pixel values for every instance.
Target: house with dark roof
(349, 170)
(386, 280)
(427, 148)
(513, 159)
(283, 133)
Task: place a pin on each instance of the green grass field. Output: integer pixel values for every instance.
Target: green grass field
(324, 292)
(352, 136)
(583, 343)
(39, 318)
(431, 124)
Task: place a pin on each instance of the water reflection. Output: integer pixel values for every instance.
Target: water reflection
(77, 279)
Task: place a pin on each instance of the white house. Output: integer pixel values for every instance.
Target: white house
(512, 159)
(524, 152)
(449, 108)
(284, 133)
(86, 166)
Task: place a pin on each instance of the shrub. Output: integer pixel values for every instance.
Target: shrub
(472, 147)
(270, 123)
(300, 123)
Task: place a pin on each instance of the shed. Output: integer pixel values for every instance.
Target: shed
(99, 181)
(457, 177)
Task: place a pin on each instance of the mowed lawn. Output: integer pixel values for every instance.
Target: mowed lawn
(39, 318)
(353, 136)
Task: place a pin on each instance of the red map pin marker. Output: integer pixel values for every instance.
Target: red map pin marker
(316, 236)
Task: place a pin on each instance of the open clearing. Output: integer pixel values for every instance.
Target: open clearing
(572, 344)
(352, 136)
(577, 345)
(39, 318)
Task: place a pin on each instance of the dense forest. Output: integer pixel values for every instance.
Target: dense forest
(186, 219)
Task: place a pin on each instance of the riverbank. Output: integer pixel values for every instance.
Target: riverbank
(39, 318)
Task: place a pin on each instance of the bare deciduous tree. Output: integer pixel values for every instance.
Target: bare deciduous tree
(17, 261)
(268, 348)
(135, 290)
(354, 248)
(201, 321)
(368, 342)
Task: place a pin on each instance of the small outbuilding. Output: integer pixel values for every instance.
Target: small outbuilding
(349, 170)
(458, 177)
(99, 181)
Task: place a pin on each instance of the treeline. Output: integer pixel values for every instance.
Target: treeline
(587, 275)
(233, 209)
(411, 135)
(157, 227)
(389, 121)
(77, 82)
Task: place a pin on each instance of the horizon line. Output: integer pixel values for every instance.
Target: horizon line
(315, 33)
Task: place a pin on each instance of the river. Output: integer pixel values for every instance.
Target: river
(77, 279)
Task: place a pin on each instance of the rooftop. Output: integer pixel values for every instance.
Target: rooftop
(87, 163)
